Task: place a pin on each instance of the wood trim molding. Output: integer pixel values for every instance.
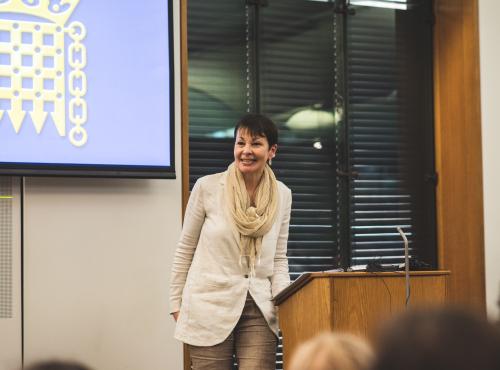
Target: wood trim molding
(459, 194)
(184, 105)
(306, 278)
(184, 130)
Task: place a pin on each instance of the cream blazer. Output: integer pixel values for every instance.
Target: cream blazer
(208, 284)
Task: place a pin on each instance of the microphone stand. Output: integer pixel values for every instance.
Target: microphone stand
(407, 266)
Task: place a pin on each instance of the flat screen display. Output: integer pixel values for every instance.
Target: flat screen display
(86, 88)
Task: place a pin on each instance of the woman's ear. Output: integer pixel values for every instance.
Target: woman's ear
(272, 151)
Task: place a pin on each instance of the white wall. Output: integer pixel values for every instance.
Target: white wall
(96, 268)
(97, 256)
(489, 29)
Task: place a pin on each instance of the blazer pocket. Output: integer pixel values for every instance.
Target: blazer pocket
(213, 282)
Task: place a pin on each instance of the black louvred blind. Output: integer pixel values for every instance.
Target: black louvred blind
(390, 129)
(296, 57)
(217, 82)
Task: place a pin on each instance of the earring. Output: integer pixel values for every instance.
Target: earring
(270, 162)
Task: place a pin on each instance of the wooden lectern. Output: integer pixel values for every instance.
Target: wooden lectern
(355, 302)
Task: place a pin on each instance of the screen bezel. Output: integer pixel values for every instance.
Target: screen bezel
(110, 170)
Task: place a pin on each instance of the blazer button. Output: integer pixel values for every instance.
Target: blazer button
(246, 276)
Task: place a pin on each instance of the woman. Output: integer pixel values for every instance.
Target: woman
(231, 258)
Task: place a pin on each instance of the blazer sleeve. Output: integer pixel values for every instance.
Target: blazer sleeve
(193, 223)
(281, 277)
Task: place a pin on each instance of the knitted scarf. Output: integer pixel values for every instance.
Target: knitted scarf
(251, 223)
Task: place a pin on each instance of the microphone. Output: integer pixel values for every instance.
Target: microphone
(407, 266)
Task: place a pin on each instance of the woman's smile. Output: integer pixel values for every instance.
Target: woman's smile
(248, 160)
(251, 153)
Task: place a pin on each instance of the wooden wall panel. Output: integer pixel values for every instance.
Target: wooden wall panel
(458, 150)
(184, 128)
(184, 106)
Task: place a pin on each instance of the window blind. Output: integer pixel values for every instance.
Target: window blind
(390, 132)
(280, 60)
(296, 59)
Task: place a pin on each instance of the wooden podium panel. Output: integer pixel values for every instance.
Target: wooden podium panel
(355, 302)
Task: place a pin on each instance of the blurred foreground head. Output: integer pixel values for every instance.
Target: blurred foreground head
(329, 351)
(439, 339)
(57, 365)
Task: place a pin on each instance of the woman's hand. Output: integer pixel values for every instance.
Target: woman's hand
(175, 315)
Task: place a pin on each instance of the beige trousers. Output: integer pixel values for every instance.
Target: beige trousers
(251, 344)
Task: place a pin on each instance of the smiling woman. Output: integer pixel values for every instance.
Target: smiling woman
(236, 231)
(256, 142)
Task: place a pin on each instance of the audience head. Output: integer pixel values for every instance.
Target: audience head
(333, 351)
(438, 339)
(57, 365)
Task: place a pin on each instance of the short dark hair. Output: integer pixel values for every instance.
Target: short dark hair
(57, 365)
(258, 125)
(439, 339)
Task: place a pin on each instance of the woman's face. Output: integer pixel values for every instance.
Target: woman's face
(252, 153)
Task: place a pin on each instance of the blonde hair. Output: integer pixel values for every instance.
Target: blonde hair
(333, 351)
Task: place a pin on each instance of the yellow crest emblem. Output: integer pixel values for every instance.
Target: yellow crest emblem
(32, 66)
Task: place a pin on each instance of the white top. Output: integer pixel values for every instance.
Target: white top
(208, 284)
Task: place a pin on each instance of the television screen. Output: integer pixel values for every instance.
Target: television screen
(86, 88)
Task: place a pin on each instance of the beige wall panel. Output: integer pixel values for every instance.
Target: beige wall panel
(489, 28)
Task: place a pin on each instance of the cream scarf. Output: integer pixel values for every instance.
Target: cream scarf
(251, 223)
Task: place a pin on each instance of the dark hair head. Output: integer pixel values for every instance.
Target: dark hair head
(258, 125)
(439, 339)
(57, 365)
